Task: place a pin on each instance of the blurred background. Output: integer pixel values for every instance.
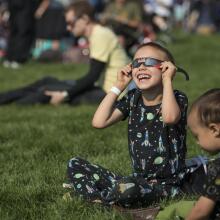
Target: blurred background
(36, 29)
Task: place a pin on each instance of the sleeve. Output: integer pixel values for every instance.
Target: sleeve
(182, 101)
(123, 104)
(87, 81)
(211, 185)
(102, 44)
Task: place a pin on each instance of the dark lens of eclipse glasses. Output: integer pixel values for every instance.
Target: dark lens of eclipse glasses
(146, 61)
(152, 62)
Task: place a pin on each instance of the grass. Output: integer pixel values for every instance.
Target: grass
(36, 142)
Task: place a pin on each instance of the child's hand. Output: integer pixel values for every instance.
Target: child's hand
(168, 70)
(124, 77)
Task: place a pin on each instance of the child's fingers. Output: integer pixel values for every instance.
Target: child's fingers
(167, 65)
(163, 68)
(126, 70)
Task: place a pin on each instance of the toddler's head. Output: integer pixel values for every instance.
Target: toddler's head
(204, 120)
(146, 71)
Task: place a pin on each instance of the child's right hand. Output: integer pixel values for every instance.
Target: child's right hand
(124, 77)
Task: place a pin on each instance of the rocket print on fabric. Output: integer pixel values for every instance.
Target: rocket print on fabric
(161, 147)
(146, 141)
(131, 106)
(129, 121)
(174, 191)
(174, 141)
(132, 101)
(142, 114)
(90, 190)
(132, 151)
(143, 163)
(132, 147)
(174, 164)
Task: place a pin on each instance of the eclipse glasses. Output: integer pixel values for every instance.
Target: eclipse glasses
(152, 62)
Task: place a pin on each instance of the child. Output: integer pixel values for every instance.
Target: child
(156, 134)
(204, 122)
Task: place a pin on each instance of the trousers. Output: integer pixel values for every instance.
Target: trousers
(97, 184)
(34, 93)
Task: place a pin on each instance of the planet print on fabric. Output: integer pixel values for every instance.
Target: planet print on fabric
(79, 186)
(96, 176)
(139, 135)
(158, 160)
(161, 118)
(78, 175)
(150, 116)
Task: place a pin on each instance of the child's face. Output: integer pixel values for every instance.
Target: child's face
(206, 137)
(147, 77)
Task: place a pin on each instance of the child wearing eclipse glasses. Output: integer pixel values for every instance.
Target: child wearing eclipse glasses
(156, 135)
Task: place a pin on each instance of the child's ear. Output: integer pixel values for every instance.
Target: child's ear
(215, 129)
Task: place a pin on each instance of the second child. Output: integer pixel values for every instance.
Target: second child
(204, 122)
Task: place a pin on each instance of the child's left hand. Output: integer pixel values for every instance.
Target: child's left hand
(168, 70)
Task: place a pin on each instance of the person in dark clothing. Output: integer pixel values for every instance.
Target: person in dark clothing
(22, 31)
(35, 93)
(106, 56)
(205, 16)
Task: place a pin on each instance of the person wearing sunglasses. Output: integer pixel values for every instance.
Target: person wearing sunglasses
(106, 58)
(156, 116)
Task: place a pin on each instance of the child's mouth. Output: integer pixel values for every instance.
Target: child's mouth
(142, 77)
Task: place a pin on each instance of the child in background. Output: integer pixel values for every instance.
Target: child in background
(156, 134)
(204, 122)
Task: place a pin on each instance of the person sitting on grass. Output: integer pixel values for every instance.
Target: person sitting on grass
(204, 122)
(106, 58)
(156, 135)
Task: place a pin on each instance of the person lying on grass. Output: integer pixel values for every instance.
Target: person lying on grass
(204, 122)
(106, 58)
(156, 135)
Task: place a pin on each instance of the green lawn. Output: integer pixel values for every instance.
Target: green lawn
(36, 142)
